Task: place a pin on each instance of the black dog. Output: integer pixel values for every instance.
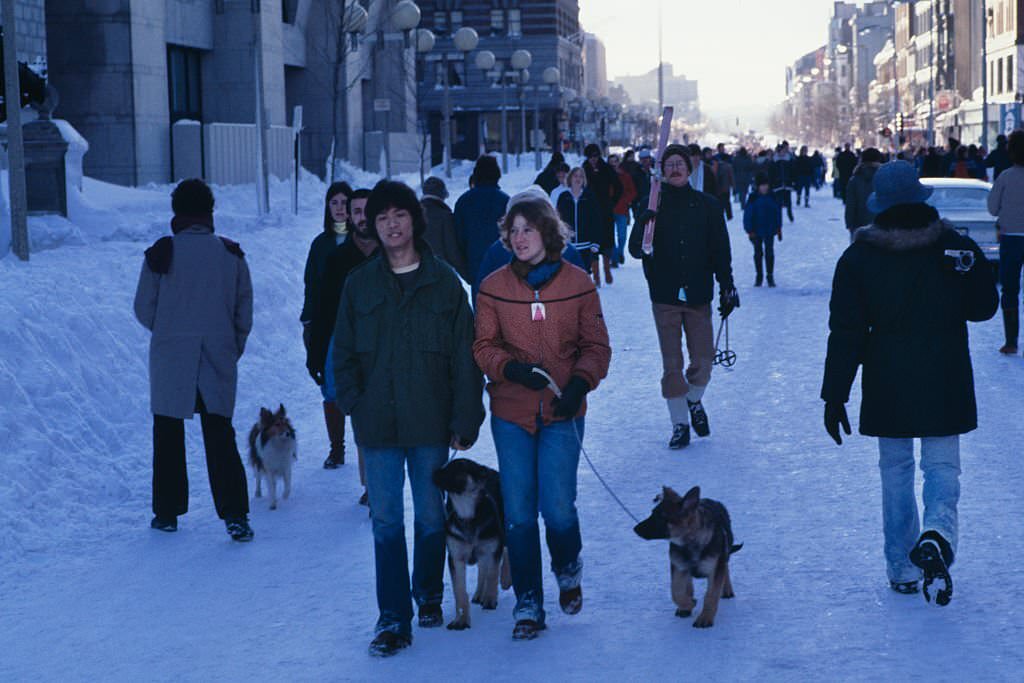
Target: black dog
(475, 533)
(700, 542)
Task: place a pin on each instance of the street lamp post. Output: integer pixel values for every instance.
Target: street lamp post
(485, 61)
(551, 77)
(405, 16)
(520, 62)
(465, 40)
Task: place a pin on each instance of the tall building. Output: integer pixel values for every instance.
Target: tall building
(548, 29)
(871, 27)
(679, 92)
(127, 70)
(1005, 44)
(595, 68)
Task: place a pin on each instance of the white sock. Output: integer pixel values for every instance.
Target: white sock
(678, 411)
(696, 393)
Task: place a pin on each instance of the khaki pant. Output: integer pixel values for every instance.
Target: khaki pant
(672, 322)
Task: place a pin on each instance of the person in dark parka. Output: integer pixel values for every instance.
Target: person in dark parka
(606, 188)
(901, 297)
(440, 233)
(859, 188)
(335, 229)
(404, 371)
(548, 177)
(477, 213)
(195, 296)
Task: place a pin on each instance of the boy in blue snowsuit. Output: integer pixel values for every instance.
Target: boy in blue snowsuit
(762, 220)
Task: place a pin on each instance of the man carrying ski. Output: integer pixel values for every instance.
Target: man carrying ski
(691, 246)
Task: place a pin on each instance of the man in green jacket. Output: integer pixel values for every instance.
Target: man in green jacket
(404, 370)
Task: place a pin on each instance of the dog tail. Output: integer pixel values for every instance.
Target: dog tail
(254, 457)
(506, 571)
(735, 548)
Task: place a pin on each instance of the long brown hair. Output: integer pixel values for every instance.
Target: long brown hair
(539, 213)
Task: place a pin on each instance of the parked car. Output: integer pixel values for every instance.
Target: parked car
(964, 203)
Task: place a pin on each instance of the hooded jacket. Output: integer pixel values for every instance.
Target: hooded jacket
(899, 309)
(858, 190)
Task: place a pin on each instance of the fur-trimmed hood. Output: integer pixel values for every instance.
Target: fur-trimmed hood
(898, 239)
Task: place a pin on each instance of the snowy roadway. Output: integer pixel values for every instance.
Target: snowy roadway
(89, 592)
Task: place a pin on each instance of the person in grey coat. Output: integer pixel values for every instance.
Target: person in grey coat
(440, 233)
(195, 296)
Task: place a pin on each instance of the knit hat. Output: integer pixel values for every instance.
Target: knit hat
(644, 153)
(532, 193)
(435, 186)
(896, 183)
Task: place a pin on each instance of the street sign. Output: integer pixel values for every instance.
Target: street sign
(382, 104)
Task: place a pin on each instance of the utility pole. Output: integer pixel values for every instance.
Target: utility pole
(984, 73)
(15, 139)
(262, 190)
(661, 75)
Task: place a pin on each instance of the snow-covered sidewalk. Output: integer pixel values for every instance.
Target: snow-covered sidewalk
(89, 592)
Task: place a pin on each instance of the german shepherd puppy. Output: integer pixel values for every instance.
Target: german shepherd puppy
(700, 542)
(475, 534)
(272, 448)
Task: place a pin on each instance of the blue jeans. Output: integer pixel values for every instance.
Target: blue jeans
(940, 465)
(385, 484)
(327, 389)
(621, 227)
(538, 471)
(1011, 258)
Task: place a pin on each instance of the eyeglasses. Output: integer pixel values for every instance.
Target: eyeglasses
(673, 165)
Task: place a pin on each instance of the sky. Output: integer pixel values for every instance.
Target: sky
(737, 49)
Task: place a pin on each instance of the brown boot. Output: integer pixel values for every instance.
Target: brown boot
(595, 271)
(335, 420)
(607, 269)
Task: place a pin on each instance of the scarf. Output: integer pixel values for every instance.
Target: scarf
(180, 222)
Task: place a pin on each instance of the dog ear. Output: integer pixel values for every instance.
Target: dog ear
(265, 414)
(690, 500)
(280, 410)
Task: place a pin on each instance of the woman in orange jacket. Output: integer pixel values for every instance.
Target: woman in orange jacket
(543, 344)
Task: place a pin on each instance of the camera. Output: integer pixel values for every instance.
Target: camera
(963, 259)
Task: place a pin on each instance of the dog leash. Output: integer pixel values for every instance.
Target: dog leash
(579, 440)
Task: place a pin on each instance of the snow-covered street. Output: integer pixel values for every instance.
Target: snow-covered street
(89, 592)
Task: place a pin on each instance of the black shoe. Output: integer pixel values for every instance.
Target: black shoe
(239, 529)
(387, 643)
(527, 629)
(758, 281)
(771, 281)
(904, 587)
(934, 556)
(698, 418)
(571, 601)
(680, 437)
(164, 524)
(431, 616)
(333, 461)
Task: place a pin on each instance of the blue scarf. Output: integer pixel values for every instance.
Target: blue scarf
(542, 273)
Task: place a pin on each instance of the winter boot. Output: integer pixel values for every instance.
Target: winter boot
(595, 271)
(164, 523)
(771, 280)
(239, 529)
(680, 437)
(759, 280)
(527, 629)
(934, 556)
(1011, 326)
(387, 643)
(335, 420)
(571, 601)
(607, 269)
(431, 616)
(699, 418)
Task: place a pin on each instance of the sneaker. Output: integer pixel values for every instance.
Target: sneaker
(904, 587)
(571, 601)
(387, 643)
(527, 629)
(239, 529)
(1008, 350)
(164, 524)
(680, 437)
(431, 616)
(699, 418)
(934, 556)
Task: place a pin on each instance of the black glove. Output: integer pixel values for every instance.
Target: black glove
(645, 216)
(317, 374)
(835, 415)
(522, 373)
(728, 301)
(572, 398)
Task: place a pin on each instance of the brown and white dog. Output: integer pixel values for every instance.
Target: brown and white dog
(272, 448)
(700, 542)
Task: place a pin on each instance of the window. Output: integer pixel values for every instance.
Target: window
(515, 23)
(441, 23)
(183, 83)
(1009, 74)
(288, 10)
(455, 20)
(999, 75)
(497, 21)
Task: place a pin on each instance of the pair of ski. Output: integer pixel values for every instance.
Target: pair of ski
(647, 245)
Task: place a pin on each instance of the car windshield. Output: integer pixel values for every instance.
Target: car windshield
(959, 198)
